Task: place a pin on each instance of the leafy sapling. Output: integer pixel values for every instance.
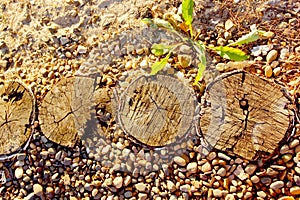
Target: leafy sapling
(227, 52)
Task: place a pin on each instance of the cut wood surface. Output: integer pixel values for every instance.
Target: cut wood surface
(66, 109)
(17, 107)
(244, 114)
(156, 110)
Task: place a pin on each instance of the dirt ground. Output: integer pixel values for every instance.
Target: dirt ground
(41, 42)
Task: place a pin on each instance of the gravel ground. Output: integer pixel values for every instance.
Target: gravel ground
(43, 41)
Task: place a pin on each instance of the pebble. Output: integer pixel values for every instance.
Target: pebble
(294, 143)
(272, 55)
(268, 71)
(295, 190)
(223, 156)
(276, 71)
(206, 167)
(284, 149)
(192, 167)
(81, 49)
(141, 187)
(142, 196)
(118, 181)
(212, 155)
(221, 171)
(229, 197)
(261, 194)
(37, 189)
(185, 188)
(286, 198)
(19, 172)
(128, 194)
(179, 161)
(171, 186)
(277, 185)
(250, 169)
(217, 193)
(240, 173)
(228, 24)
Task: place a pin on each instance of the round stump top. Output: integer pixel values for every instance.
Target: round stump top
(156, 110)
(244, 114)
(17, 108)
(66, 109)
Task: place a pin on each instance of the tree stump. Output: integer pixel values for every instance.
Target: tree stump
(244, 114)
(17, 109)
(66, 109)
(156, 110)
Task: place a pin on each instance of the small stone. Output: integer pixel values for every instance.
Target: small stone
(206, 167)
(228, 24)
(106, 149)
(223, 156)
(128, 194)
(268, 71)
(192, 167)
(212, 155)
(261, 194)
(37, 189)
(19, 172)
(217, 193)
(81, 49)
(118, 181)
(68, 54)
(297, 50)
(284, 53)
(144, 64)
(294, 143)
(142, 196)
(250, 169)
(179, 161)
(286, 198)
(284, 149)
(229, 197)
(221, 171)
(185, 60)
(277, 185)
(255, 179)
(240, 173)
(94, 192)
(272, 55)
(141, 187)
(295, 190)
(287, 157)
(171, 186)
(276, 71)
(185, 188)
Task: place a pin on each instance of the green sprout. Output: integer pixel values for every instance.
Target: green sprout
(227, 52)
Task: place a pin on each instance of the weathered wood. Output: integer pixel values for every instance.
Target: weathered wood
(244, 114)
(17, 108)
(156, 110)
(66, 109)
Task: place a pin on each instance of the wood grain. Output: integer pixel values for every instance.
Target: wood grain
(66, 108)
(17, 108)
(244, 114)
(156, 110)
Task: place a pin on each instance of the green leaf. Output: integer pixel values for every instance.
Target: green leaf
(201, 52)
(245, 39)
(160, 49)
(230, 53)
(156, 67)
(156, 22)
(201, 69)
(187, 11)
